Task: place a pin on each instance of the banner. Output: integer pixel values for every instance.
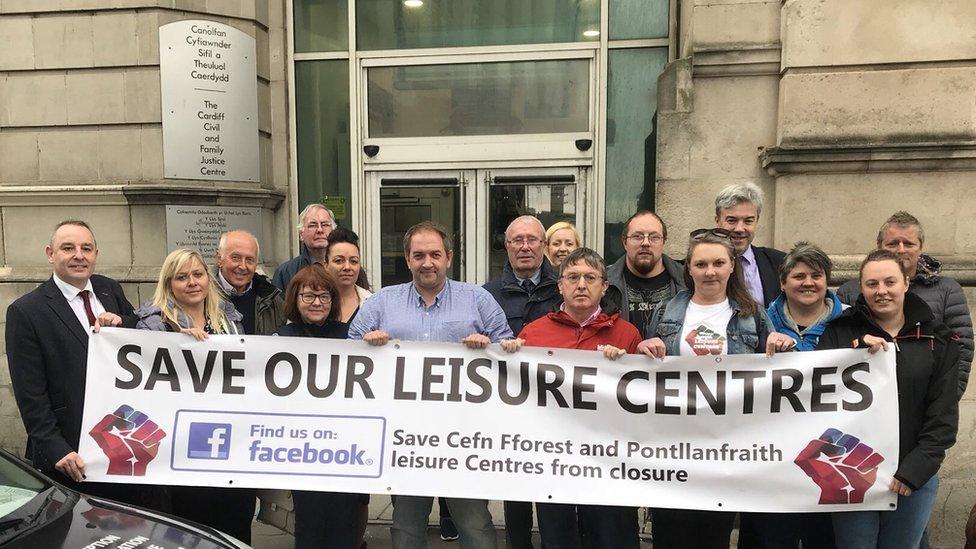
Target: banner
(813, 431)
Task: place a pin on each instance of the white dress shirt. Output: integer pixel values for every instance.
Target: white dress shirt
(73, 296)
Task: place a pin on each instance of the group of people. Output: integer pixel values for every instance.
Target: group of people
(726, 296)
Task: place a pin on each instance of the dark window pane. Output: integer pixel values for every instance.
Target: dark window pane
(321, 25)
(322, 118)
(638, 19)
(631, 141)
(393, 24)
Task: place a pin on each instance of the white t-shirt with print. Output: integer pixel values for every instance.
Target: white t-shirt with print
(704, 330)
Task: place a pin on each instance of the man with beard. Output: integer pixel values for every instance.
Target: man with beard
(645, 276)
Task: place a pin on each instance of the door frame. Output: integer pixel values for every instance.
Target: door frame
(473, 235)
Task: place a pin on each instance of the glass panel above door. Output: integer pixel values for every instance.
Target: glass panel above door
(636, 19)
(321, 25)
(409, 24)
(522, 97)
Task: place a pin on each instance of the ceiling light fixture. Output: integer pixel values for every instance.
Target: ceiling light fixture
(591, 33)
(413, 3)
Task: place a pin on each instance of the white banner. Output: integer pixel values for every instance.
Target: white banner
(814, 431)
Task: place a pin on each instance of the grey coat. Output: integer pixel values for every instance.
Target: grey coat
(151, 318)
(948, 303)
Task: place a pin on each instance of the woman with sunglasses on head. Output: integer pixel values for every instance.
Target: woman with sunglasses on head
(322, 519)
(187, 300)
(344, 263)
(715, 316)
(885, 315)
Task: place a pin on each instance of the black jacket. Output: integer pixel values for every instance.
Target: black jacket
(947, 301)
(768, 260)
(927, 374)
(47, 353)
(616, 298)
(332, 329)
(520, 306)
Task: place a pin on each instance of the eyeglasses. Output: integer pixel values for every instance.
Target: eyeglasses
(639, 238)
(699, 234)
(574, 278)
(531, 242)
(314, 226)
(308, 299)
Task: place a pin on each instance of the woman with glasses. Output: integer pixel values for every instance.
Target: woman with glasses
(344, 264)
(561, 239)
(715, 316)
(581, 323)
(928, 410)
(187, 300)
(322, 519)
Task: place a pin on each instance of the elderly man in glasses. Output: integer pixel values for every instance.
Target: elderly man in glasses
(316, 223)
(645, 276)
(526, 290)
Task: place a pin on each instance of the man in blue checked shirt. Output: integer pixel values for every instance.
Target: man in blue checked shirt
(433, 308)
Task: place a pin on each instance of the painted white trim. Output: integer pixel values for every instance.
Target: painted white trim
(596, 215)
(291, 217)
(645, 43)
(475, 50)
(320, 56)
(486, 57)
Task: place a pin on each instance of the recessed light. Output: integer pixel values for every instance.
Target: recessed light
(591, 33)
(413, 3)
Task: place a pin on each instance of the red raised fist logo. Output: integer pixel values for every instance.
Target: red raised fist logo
(841, 465)
(130, 440)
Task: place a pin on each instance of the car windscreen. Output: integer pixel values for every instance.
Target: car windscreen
(17, 487)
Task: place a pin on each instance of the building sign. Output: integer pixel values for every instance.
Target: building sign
(208, 80)
(200, 227)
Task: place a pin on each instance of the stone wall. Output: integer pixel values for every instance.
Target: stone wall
(81, 137)
(844, 112)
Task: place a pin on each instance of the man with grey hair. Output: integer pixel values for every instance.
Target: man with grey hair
(526, 290)
(902, 233)
(253, 295)
(316, 223)
(737, 210)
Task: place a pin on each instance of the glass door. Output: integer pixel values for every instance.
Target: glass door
(403, 199)
(474, 205)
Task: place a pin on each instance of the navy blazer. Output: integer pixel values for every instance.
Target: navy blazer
(47, 353)
(768, 261)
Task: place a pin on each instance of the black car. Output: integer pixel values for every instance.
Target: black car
(36, 512)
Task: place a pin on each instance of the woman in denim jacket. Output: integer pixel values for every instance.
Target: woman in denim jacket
(715, 316)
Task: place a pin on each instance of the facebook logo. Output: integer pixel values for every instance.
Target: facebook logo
(209, 441)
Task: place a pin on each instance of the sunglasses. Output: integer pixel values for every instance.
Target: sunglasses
(699, 234)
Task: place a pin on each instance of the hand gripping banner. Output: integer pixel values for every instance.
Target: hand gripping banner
(812, 431)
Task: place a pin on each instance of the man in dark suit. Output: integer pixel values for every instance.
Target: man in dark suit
(737, 209)
(47, 350)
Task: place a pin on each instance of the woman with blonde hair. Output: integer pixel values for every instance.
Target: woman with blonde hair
(561, 238)
(188, 300)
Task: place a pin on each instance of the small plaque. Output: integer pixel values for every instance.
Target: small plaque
(200, 227)
(337, 204)
(208, 84)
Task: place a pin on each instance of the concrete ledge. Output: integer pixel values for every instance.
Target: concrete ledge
(891, 158)
(756, 61)
(168, 192)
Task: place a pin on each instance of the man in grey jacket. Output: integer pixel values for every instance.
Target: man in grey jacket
(902, 233)
(645, 276)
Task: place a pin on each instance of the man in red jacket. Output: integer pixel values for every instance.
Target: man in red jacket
(580, 323)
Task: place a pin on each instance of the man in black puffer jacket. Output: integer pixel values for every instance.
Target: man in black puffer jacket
(902, 233)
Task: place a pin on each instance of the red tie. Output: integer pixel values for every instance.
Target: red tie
(88, 309)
